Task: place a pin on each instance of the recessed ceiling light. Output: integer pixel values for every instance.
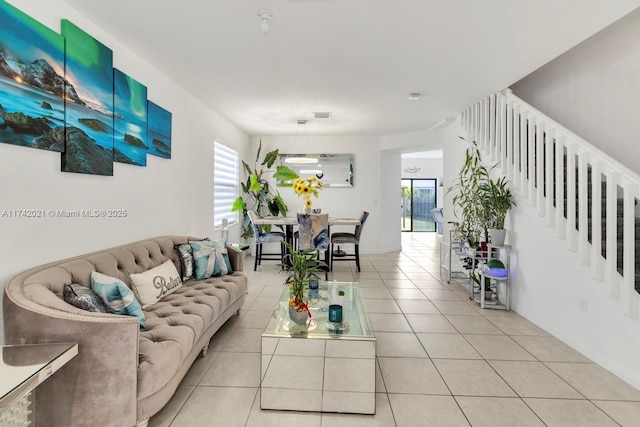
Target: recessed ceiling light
(414, 96)
(322, 115)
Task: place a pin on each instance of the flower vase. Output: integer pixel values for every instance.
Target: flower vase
(306, 211)
(298, 317)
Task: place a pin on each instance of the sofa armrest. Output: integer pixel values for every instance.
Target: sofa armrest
(107, 357)
(236, 257)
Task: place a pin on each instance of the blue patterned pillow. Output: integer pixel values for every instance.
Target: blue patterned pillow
(211, 258)
(118, 297)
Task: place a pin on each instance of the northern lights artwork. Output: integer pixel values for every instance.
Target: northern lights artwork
(60, 92)
(32, 86)
(130, 111)
(89, 118)
(159, 131)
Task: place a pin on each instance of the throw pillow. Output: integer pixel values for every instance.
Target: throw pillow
(117, 296)
(155, 284)
(211, 258)
(185, 254)
(83, 297)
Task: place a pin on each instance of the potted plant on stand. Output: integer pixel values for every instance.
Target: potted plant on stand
(302, 266)
(497, 199)
(481, 202)
(259, 195)
(468, 198)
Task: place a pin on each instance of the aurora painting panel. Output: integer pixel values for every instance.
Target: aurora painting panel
(130, 112)
(158, 131)
(32, 86)
(89, 115)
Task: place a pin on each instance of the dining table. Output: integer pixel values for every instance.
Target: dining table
(289, 222)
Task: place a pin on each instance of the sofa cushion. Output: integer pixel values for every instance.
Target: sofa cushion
(185, 253)
(84, 298)
(211, 258)
(117, 296)
(155, 284)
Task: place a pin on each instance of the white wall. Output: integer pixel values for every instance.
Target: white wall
(368, 193)
(166, 197)
(593, 90)
(548, 285)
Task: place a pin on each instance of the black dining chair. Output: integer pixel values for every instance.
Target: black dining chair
(348, 238)
(266, 237)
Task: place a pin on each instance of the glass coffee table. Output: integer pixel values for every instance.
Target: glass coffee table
(321, 366)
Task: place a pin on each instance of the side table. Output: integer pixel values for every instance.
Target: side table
(22, 369)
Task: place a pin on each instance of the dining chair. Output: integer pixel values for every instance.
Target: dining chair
(265, 237)
(348, 238)
(313, 233)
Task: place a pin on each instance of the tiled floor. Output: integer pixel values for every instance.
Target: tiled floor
(442, 361)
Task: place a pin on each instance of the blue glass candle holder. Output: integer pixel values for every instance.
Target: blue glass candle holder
(335, 313)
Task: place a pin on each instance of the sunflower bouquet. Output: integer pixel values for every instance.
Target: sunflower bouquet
(307, 187)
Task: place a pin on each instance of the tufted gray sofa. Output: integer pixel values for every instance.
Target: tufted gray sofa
(123, 374)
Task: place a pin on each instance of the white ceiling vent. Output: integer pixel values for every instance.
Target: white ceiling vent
(322, 115)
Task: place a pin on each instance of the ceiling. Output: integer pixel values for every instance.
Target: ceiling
(358, 59)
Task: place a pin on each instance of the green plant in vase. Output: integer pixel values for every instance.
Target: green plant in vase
(302, 266)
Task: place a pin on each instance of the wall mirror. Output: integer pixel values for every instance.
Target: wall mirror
(335, 170)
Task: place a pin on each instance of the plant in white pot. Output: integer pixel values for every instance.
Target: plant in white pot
(497, 201)
(481, 202)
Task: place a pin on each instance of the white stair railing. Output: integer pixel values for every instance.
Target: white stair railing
(548, 164)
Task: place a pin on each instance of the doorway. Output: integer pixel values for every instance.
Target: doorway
(419, 197)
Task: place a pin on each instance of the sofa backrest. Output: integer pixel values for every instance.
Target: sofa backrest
(117, 262)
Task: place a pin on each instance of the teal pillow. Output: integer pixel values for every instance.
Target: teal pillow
(118, 297)
(211, 258)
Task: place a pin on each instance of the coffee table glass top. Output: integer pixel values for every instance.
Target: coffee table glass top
(354, 326)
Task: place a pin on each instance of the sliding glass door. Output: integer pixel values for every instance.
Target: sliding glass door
(418, 198)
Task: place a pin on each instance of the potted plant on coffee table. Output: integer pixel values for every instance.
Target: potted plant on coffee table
(301, 266)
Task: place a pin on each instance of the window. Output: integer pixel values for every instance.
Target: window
(225, 183)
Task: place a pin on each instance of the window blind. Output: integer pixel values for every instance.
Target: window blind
(225, 183)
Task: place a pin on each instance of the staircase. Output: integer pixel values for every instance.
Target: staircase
(535, 153)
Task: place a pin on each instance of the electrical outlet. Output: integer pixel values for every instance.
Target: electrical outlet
(582, 304)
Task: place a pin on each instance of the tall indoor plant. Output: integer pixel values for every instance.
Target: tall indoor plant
(467, 196)
(481, 201)
(259, 195)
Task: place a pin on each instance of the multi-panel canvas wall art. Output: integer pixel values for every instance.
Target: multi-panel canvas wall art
(89, 115)
(130, 111)
(159, 131)
(32, 86)
(60, 92)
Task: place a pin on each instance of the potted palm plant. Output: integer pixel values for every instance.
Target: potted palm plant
(497, 199)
